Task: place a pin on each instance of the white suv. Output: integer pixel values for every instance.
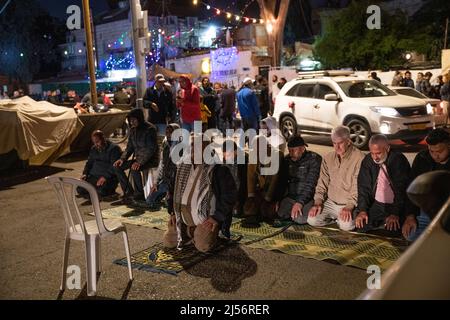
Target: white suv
(317, 102)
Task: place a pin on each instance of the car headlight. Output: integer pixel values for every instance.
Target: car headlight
(429, 108)
(388, 112)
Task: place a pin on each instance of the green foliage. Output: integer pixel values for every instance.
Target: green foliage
(347, 42)
(28, 41)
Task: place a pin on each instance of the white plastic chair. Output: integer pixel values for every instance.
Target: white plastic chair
(91, 232)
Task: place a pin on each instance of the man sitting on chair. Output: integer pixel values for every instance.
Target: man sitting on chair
(99, 170)
(143, 144)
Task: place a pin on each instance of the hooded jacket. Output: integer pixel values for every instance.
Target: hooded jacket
(190, 107)
(143, 142)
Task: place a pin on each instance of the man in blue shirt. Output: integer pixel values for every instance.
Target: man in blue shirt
(248, 106)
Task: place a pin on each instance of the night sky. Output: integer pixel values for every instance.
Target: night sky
(58, 8)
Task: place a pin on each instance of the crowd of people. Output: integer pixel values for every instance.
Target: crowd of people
(359, 192)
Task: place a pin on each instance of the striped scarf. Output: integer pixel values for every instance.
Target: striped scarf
(193, 197)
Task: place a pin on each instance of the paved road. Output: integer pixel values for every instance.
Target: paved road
(32, 231)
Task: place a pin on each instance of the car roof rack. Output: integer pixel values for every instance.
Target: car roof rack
(321, 74)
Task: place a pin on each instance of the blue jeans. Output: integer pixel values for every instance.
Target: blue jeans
(156, 197)
(423, 221)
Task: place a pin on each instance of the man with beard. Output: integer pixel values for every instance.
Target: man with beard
(99, 170)
(382, 183)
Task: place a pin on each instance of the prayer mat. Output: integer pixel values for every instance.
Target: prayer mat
(158, 259)
(346, 248)
(138, 216)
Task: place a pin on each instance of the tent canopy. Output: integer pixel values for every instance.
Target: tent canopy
(40, 132)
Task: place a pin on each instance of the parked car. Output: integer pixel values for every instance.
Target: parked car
(433, 105)
(317, 102)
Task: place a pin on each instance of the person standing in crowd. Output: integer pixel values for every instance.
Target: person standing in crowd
(337, 190)
(397, 81)
(425, 84)
(282, 83)
(189, 104)
(374, 76)
(197, 188)
(133, 97)
(408, 81)
(218, 87)
(419, 80)
(437, 157)
(228, 108)
(99, 170)
(104, 99)
(382, 182)
(248, 106)
(210, 100)
(143, 145)
(262, 92)
(52, 98)
(445, 97)
(167, 171)
(159, 101)
(121, 96)
(298, 177)
(436, 90)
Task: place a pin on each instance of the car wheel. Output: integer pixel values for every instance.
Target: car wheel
(412, 141)
(288, 127)
(360, 133)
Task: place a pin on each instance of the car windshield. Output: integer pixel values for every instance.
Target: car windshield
(365, 89)
(411, 93)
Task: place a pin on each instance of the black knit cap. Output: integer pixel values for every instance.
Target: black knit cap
(296, 141)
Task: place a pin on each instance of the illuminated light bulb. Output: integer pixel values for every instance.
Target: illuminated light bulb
(247, 19)
(228, 15)
(195, 2)
(208, 7)
(217, 11)
(238, 18)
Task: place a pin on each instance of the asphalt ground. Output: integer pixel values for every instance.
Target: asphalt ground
(32, 237)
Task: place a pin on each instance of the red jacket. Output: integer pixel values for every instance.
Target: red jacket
(190, 107)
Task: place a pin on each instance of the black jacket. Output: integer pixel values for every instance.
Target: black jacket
(299, 178)
(100, 162)
(225, 192)
(398, 170)
(164, 101)
(168, 169)
(424, 163)
(143, 142)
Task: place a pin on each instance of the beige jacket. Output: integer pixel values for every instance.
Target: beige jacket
(338, 180)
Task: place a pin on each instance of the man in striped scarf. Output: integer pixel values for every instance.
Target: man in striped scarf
(204, 198)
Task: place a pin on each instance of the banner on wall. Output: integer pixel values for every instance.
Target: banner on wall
(224, 64)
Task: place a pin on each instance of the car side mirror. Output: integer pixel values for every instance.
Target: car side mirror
(331, 97)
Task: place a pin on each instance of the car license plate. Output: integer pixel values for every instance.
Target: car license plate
(420, 126)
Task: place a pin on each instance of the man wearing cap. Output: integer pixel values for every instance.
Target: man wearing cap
(337, 190)
(159, 101)
(248, 106)
(300, 172)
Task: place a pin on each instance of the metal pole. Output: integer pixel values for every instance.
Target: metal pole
(139, 57)
(90, 51)
(446, 33)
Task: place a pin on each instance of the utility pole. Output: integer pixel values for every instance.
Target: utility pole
(446, 34)
(90, 51)
(140, 46)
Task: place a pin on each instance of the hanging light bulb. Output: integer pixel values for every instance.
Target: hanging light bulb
(229, 15)
(195, 2)
(208, 7)
(217, 11)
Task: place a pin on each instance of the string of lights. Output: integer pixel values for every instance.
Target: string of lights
(230, 15)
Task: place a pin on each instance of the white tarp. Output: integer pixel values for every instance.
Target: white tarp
(40, 132)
